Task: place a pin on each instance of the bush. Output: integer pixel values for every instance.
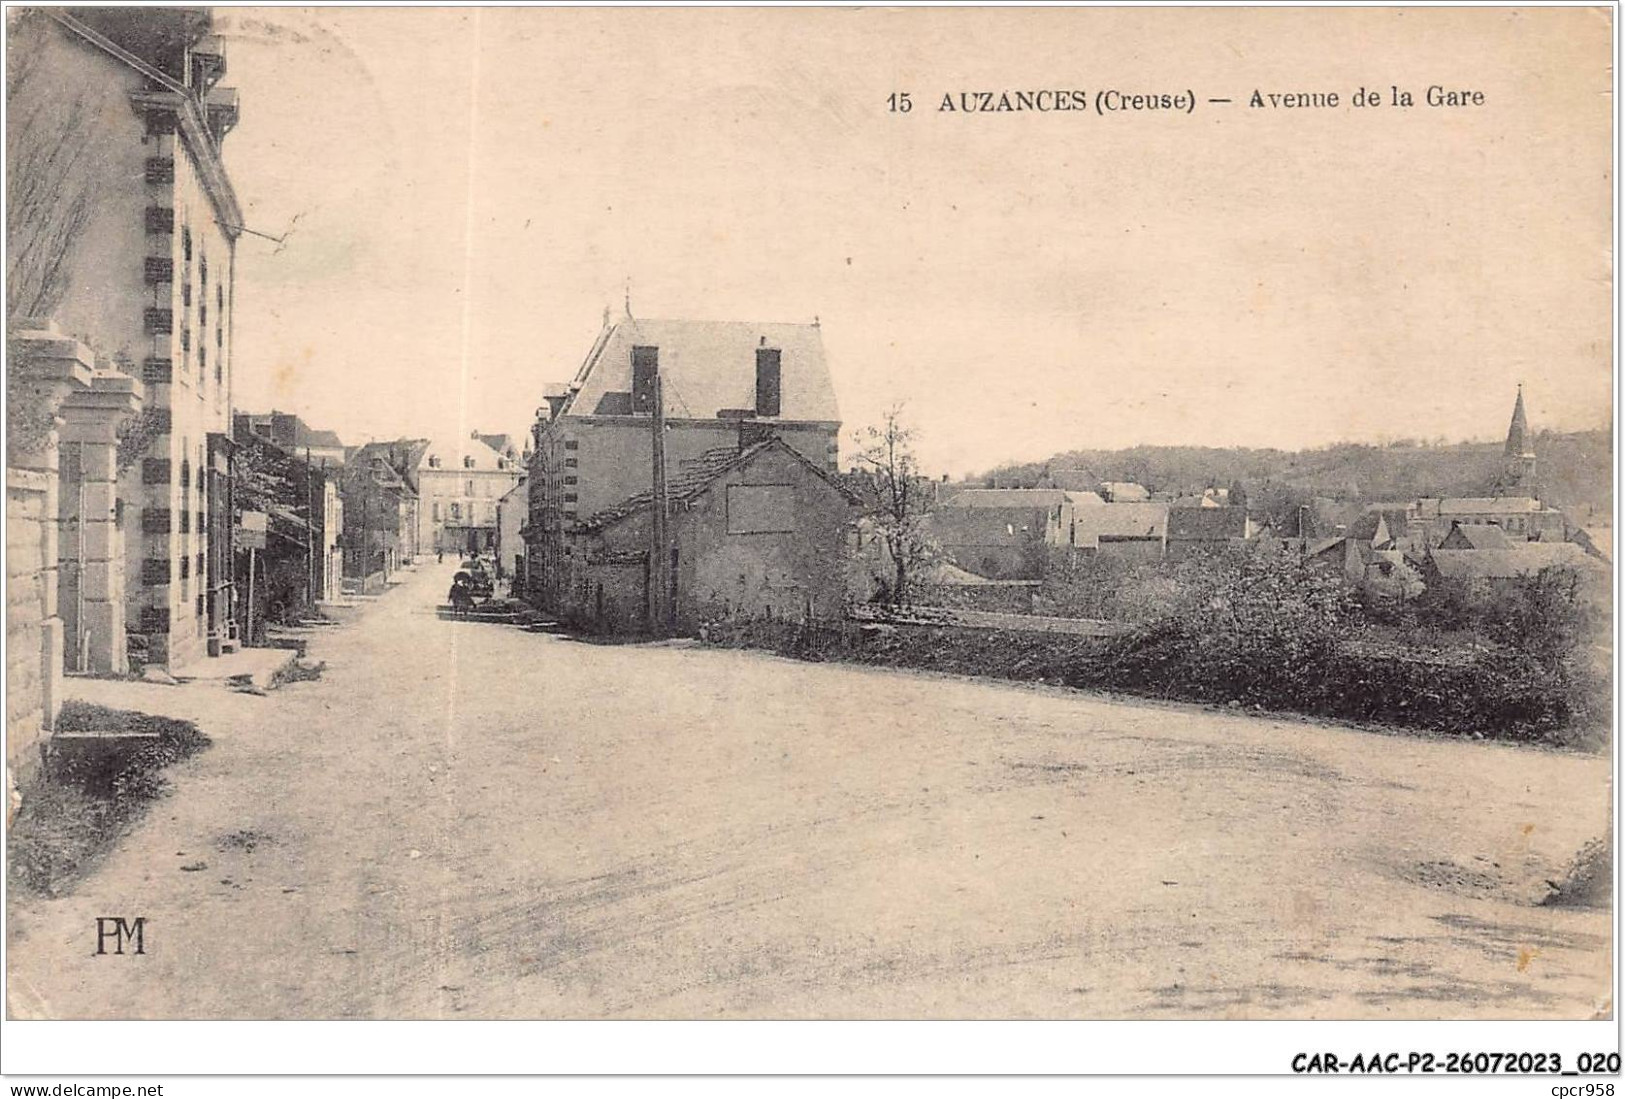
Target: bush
(1590, 879)
(1269, 631)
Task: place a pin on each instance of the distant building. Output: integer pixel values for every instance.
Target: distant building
(459, 483)
(1001, 533)
(380, 511)
(1487, 571)
(1132, 530)
(1521, 517)
(512, 510)
(1123, 492)
(1474, 536)
(1205, 528)
(293, 435)
(301, 562)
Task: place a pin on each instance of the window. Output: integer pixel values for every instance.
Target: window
(767, 381)
(569, 463)
(186, 243)
(571, 444)
(468, 461)
(468, 488)
(456, 512)
(436, 511)
(645, 365)
(434, 462)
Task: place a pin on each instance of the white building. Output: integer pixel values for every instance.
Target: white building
(459, 482)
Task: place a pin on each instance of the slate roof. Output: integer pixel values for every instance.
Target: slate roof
(696, 475)
(709, 366)
(401, 455)
(1518, 559)
(1198, 524)
(451, 453)
(502, 444)
(1482, 536)
(1008, 498)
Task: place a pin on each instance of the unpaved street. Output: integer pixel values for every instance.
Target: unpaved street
(469, 820)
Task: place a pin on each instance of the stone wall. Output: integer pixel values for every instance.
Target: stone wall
(26, 676)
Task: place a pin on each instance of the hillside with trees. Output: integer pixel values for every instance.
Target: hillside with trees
(1575, 470)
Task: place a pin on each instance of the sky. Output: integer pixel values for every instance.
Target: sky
(465, 191)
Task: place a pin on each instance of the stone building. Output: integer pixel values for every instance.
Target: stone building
(759, 531)
(145, 222)
(459, 482)
(724, 385)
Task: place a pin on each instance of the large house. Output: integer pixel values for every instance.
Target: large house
(459, 482)
(716, 385)
(116, 123)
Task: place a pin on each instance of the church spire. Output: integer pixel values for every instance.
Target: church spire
(1520, 457)
(1518, 433)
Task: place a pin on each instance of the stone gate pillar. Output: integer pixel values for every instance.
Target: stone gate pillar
(43, 369)
(92, 539)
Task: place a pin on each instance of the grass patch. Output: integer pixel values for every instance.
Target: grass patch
(88, 798)
(298, 671)
(1589, 882)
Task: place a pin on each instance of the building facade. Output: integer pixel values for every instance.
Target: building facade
(722, 385)
(459, 482)
(758, 532)
(154, 223)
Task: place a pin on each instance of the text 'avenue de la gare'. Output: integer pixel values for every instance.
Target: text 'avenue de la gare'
(1124, 101)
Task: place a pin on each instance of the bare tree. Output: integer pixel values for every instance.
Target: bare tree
(51, 172)
(898, 502)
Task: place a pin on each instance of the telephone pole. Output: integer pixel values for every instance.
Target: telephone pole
(659, 542)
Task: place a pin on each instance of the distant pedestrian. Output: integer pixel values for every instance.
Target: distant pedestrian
(440, 557)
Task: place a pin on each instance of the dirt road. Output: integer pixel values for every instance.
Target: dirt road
(469, 820)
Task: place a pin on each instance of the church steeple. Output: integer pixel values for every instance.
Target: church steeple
(1520, 458)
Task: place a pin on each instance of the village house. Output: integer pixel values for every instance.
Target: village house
(1205, 528)
(293, 435)
(1123, 492)
(1493, 572)
(302, 560)
(759, 531)
(380, 510)
(458, 483)
(1138, 531)
(149, 225)
(1002, 533)
(512, 511)
(715, 385)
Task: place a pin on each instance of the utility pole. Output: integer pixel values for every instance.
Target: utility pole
(310, 536)
(659, 543)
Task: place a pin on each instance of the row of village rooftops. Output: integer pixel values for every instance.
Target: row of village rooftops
(992, 533)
